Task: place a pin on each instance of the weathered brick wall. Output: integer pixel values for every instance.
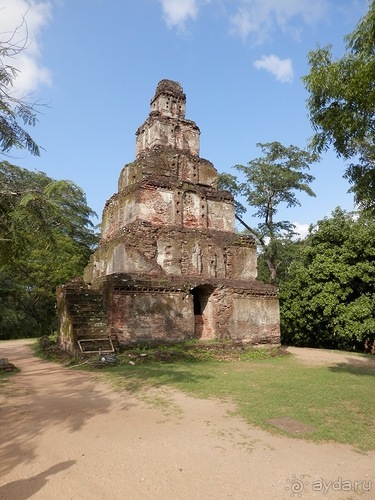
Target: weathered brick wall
(183, 135)
(142, 309)
(241, 315)
(169, 163)
(82, 314)
(175, 251)
(255, 319)
(168, 205)
(151, 316)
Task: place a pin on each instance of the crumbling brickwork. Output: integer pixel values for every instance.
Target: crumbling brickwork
(170, 266)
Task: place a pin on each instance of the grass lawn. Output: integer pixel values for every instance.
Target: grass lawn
(337, 400)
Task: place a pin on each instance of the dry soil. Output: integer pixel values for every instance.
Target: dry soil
(67, 435)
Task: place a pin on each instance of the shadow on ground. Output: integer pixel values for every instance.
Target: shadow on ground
(135, 378)
(23, 489)
(357, 366)
(42, 395)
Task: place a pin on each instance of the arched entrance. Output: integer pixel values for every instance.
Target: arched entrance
(202, 312)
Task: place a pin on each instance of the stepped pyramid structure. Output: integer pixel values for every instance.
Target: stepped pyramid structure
(170, 266)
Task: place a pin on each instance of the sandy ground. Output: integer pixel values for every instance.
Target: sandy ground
(66, 435)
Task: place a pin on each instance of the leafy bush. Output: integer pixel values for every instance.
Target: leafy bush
(328, 297)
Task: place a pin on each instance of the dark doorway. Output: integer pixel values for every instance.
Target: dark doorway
(201, 301)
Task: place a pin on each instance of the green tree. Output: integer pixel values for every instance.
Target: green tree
(342, 106)
(16, 114)
(270, 181)
(32, 203)
(46, 233)
(230, 183)
(46, 237)
(287, 249)
(328, 297)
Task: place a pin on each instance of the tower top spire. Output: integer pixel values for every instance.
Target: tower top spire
(166, 124)
(169, 87)
(169, 99)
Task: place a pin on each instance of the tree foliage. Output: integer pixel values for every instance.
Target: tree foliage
(272, 180)
(46, 237)
(46, 233)
(328, 296)
(16, 113)
(342, 105)
(32, 203)
(230, 183)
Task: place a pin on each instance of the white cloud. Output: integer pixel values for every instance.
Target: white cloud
(282, 69)
(177, 12)
(259, 18)
(21, 22)
(302, 230)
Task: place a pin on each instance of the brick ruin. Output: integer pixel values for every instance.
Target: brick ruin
(170, 266)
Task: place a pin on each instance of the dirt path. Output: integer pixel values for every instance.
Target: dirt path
(65, 435)
(314, 357)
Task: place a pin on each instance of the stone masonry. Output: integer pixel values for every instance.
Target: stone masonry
(170, 266)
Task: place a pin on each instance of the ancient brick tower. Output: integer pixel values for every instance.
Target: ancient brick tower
(170, 266)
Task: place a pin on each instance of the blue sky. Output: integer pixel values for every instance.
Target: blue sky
(96, 64)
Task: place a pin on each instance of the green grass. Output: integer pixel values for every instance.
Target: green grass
(5, 376)
(338, 400)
